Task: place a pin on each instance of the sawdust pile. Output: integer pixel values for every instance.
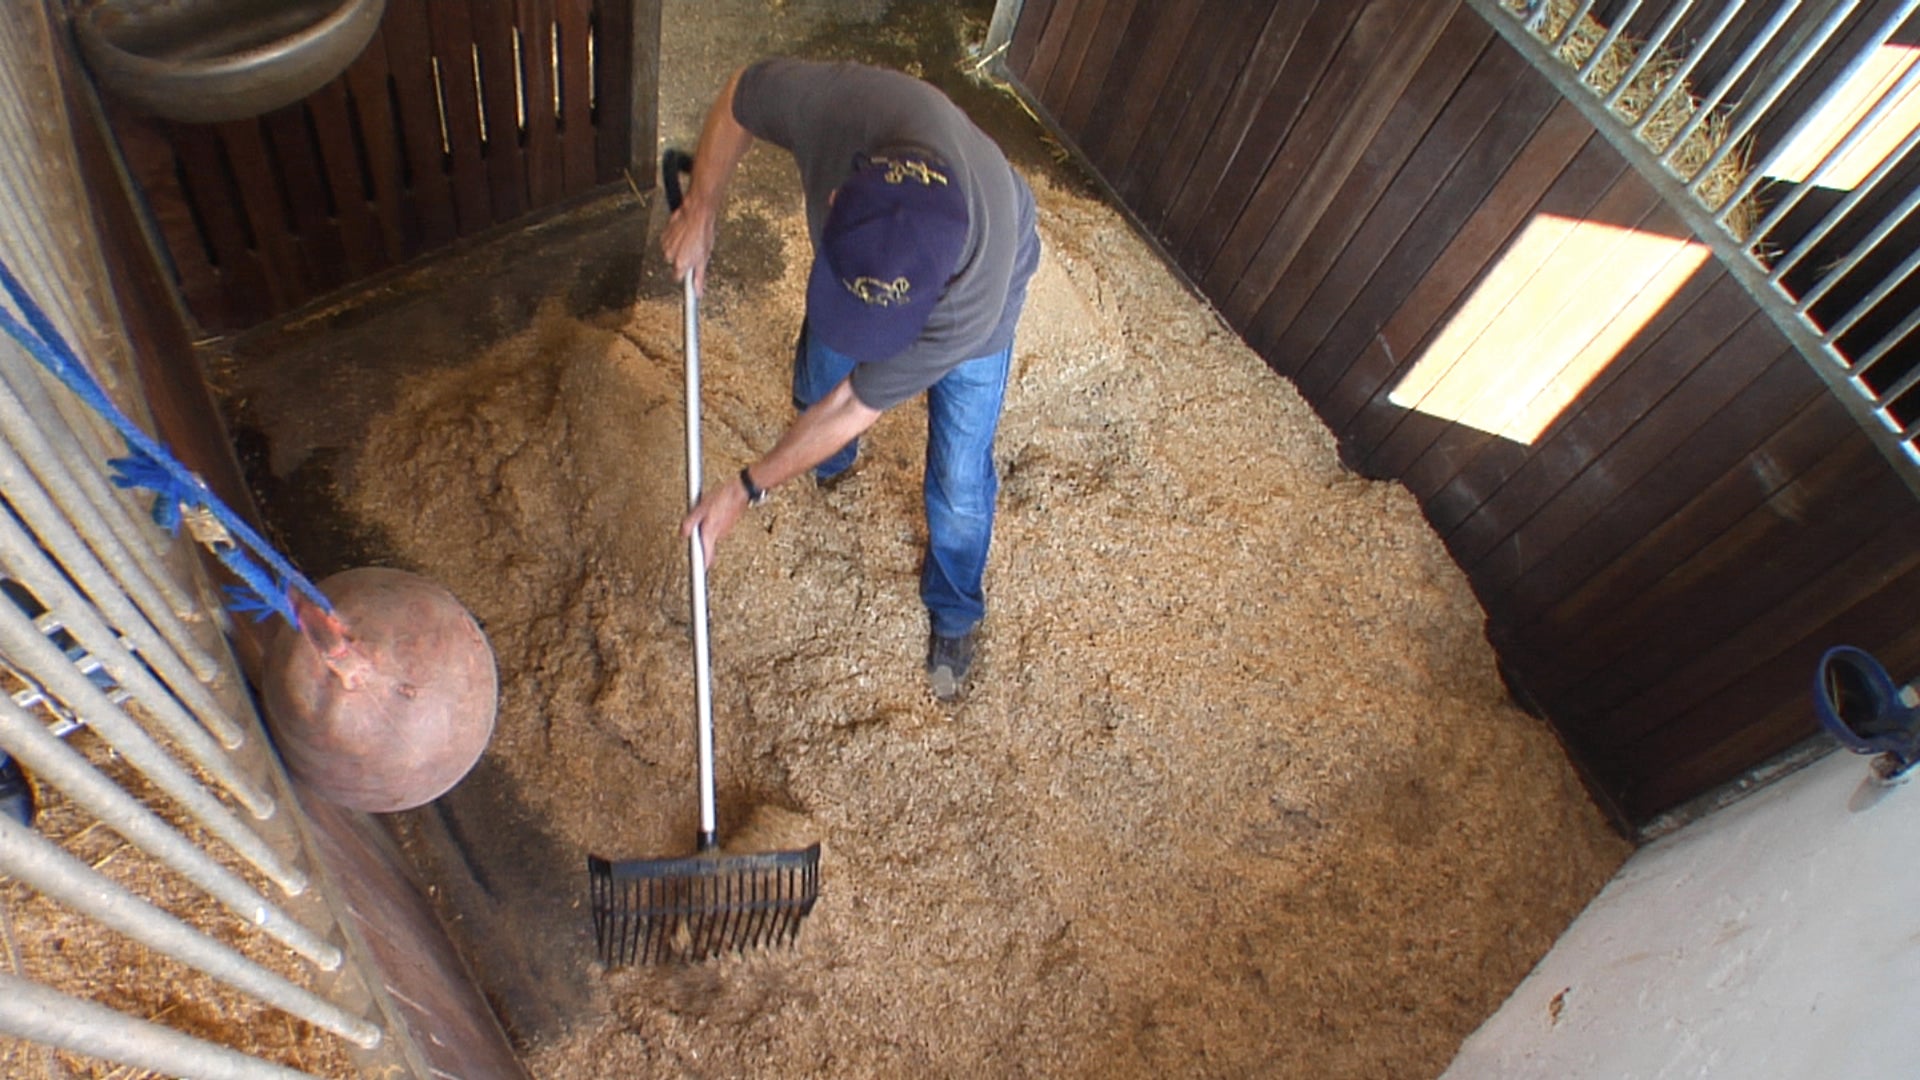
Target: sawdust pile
(1237, 790)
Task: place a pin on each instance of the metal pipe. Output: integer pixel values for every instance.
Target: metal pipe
(1573, 25)
(1612, 35)
(19, 641)
(26, 562)
(1860, 251)
(1751, 114)
(1887, 285)
(33, 1012)
(1704, 108)
(1854, 137)
(18, 425)
(1878, 352)
(1677, 79)
(53, 762)
(1648, 50)
(42, 864)
(1839, 213)
(77, 561)
(29, 381)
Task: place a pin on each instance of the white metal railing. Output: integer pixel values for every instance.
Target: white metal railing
(1782, 131)
(124, 707)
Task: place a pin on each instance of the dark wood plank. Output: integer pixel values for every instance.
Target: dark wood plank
(1447, 252)
(1768, 708)
(155, 169)
(1598, 638)
(1468, 489)
(1047, 50)
(1027, 31)
(264, 206)
(1238, 37)
(1268, 147)
(1295, 52)
(1096, 65)
(1085, 19)
(451, 36)
(1528, 273)
(1134, 180)
(1123, 79)
(492, 25)
(1578, 312)
(405, 36)
(340, 159)
(1558, 544)
(323, 260)
(1718, 307)
(1165, 40)
(1786, 450)
(1440, 258)
(1440, 138)
(1722, 643)
(1375, 64)
(576, 95)
(379, 129)
(208, 187)
(534, 19)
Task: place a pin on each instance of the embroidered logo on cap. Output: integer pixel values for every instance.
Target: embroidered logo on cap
(900, 170)
(879, 293)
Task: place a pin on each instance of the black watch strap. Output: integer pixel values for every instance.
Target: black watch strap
(755, 493)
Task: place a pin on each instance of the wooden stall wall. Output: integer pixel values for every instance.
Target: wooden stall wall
(1663, 511)
(460, 116)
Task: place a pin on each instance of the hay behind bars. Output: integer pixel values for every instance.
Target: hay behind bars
(1671, 117)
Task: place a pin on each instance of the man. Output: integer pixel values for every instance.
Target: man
(924, 241)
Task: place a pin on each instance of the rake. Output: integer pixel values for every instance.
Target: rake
(699, 906)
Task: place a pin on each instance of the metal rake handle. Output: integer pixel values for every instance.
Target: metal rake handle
(672, 164)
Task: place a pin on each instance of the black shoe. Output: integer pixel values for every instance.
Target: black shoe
(16, 795)
(948, 661)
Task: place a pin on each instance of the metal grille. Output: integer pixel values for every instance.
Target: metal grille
(1784, 131)
(167, 833)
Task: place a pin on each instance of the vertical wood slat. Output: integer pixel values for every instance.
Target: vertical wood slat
(1460, 124)
(1342, 229)
(1027, 31)
(261, 203)
(1372, 68)
(1239, 31)
(388, 161)
(575, 21)
(323, 259)
(492, 24)
(1277, 50)
(534, 23)
(408, 41)
(1111, 144)
(1096, 65)
(379, 145)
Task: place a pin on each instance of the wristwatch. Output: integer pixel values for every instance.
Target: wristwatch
(755, 493)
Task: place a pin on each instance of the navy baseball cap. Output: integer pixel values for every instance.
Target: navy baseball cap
(892, 241)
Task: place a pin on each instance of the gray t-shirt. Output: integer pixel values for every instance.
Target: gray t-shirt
(824, 114)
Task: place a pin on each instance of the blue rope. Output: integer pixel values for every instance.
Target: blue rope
(264, 589)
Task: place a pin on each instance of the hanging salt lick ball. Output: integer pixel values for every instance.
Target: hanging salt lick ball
(388, 701)
(206, 61)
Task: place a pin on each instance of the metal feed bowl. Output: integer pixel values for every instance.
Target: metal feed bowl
(206, 61)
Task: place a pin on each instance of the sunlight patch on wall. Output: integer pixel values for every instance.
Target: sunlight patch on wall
(1546, 320)
(1831, 125)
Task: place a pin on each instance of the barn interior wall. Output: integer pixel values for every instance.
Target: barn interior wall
(1676, 518)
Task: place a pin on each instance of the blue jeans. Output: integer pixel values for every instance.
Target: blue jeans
(961, 486)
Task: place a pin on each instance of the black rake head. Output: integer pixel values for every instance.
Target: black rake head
(700, 906)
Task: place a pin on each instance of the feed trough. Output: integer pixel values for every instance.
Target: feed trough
(206, 61)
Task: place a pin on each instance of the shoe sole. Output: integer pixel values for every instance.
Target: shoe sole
(946, 685)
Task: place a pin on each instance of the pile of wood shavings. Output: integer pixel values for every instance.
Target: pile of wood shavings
(1236, 791)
